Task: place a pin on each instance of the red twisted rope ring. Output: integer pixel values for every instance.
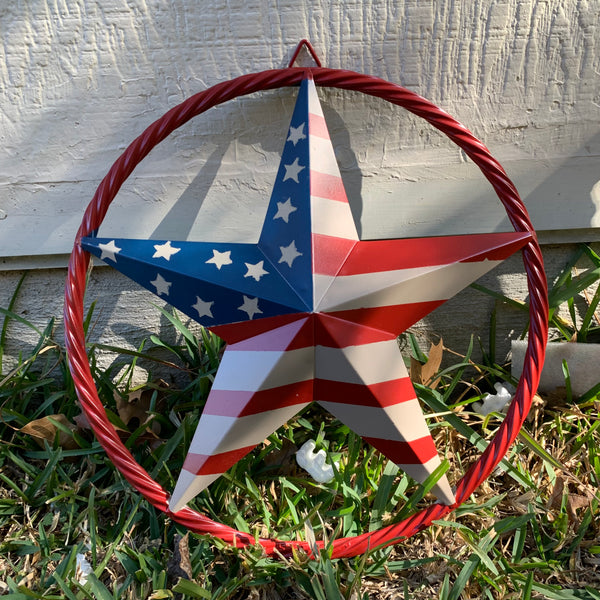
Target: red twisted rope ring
(201, 102)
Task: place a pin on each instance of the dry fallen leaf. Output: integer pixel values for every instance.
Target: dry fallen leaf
(574, 501)
(536, 410)
(432, 366)
(522, 502)
(82, 422)
(283, 458)
(555, 500)
(180, 564)
(45, 430)
(424, 374)
(134, 410)
(416, 369)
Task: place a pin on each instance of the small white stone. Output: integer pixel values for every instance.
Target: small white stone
(495, 402)
(82, 569)
(315, 462)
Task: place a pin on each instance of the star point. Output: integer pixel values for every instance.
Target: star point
(220, 258)
(108, 251)
(293, 170)
(289, 253)
(203, 308)
(165, 251)
(162, 285)
(256, 271)
(250, 307)
(284, 210)
(296, 134)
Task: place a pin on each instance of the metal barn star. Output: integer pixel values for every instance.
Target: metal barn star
(309, 313)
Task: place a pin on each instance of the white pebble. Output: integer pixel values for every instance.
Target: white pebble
(495, 402)
(315, 462)
(82, 569)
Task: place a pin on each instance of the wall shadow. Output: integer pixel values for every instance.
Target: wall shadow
(180, 218)
(450, 321)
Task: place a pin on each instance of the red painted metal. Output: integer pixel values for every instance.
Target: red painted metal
(201, 102)
(310, 49)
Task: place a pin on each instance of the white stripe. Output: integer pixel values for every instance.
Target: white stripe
(367, 363)
(253, 370)
(442, 490)
(404, 422)
(405, 286)
(331, 217)
(188, 487)
(320, 285)
(314, 105)
(322, 156)
(216, 434)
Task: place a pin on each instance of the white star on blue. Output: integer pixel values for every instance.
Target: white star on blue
(226, 275)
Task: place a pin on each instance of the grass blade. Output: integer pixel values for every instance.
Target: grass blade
(11, 305)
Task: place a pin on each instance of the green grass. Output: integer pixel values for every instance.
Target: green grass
(531, 531)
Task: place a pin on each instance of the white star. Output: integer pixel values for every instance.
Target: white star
(291, 171)
(220, 258)
(250, 306)
(284, 209)
(109, 250)
(289, 253)
(203, 308)
(162, 285)
(165, 251)
(256, 270)
(296, 134)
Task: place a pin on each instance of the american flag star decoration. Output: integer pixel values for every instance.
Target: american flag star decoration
(310, 313)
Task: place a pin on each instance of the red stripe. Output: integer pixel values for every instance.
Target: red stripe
(329, 253)
(333, 332)
(202, 464)
(227, 403)
(390, 255)
(327, 186)
(291, 336)
(417, 452)
(233, 333)
(393, 319)
(317, 126)
(376, 395)
(515, 242)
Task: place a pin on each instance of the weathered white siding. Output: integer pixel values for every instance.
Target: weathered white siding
(79, 79)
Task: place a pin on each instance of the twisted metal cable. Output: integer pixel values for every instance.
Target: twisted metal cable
(157, 132)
